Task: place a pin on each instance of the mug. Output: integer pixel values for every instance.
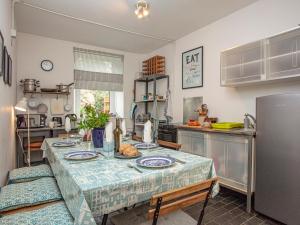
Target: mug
(51, 124)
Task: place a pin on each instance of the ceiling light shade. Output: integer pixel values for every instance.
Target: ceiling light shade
(145, 12)
(21, 105)
(142, 9)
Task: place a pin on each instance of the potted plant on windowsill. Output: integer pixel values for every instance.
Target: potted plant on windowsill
(94, 121)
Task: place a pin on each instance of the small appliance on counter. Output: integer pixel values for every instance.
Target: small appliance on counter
(57, 120)
(35, 121)
(167, 132)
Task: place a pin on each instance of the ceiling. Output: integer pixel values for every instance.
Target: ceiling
(168, 20)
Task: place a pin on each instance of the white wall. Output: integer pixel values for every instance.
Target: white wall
(7, 99)
(257, 21)
(33, 49)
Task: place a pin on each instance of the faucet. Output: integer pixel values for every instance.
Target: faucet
(247, 122)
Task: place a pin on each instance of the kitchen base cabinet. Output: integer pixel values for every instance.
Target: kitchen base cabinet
(193, 142)
(232, 155)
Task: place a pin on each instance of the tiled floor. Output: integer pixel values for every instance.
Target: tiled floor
(228, 208)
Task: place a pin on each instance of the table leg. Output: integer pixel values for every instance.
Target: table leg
(249, 182)
(104, 219)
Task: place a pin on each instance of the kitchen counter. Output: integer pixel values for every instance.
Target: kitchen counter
(238, 131)
(232, 151)
(42, 129)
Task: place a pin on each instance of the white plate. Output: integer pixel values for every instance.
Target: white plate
(64, 144)
(155, 161)
(81, 155)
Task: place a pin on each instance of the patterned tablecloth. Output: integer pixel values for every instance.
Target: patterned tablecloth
(102, 186)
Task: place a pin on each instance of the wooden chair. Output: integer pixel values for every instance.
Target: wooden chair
(171, 203)
(137, 138)
(168, 144)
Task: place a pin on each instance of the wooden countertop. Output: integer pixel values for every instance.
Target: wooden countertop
(238, 131)
(42, 129)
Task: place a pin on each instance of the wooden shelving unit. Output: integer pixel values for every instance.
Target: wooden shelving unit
(148, 79)
(154, 65)
(46, 93)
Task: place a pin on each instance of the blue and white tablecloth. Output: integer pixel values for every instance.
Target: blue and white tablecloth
(102, 186)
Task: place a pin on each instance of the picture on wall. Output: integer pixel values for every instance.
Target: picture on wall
(1, 53)
(9, 71)
(5, 65)
(192, 68)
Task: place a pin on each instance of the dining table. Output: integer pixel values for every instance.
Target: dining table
(103, 185)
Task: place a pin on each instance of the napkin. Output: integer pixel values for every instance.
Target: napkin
(109, 132)
(123, 127)
(147, 132)
(68, 125)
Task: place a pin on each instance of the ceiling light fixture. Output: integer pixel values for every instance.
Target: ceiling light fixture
(142, 9)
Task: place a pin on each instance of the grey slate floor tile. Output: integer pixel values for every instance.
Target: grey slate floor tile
(227, 208)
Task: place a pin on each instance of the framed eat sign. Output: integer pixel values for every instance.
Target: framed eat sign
(192, 68)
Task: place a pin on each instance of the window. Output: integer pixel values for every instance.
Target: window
(98, 81)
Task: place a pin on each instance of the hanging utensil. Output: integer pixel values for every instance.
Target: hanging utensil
(68, 106)
(63, 88)
(33, 103)
(42, 108)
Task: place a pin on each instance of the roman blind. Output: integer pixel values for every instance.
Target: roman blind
(94, 70)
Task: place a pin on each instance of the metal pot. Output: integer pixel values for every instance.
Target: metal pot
(30, 85)
(63, 88)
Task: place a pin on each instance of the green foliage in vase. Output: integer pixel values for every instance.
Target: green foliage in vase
(92, 118)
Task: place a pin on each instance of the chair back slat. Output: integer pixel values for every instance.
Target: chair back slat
(182, 203)
(137, 138)
(181, 192)
(168, 144)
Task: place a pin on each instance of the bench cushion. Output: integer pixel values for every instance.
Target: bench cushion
(56, 214)
(29, 173)
(15, 196)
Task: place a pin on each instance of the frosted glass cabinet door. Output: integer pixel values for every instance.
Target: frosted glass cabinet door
(237, 160)
(198, 144)
(283, 55)
(192, 142)
(243, 64)
(184, 138)
(217, 151)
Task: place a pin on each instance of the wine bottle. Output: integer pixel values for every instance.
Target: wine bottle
(117, 136)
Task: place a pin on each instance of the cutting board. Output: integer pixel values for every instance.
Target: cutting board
(57, 106)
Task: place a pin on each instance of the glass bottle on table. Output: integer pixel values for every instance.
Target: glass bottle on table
(117, 135)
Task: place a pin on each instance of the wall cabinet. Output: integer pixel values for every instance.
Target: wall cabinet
(270, 59)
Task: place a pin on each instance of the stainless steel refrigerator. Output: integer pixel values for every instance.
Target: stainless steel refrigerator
(277, 189)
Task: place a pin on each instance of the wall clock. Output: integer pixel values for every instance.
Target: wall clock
(47, 65)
